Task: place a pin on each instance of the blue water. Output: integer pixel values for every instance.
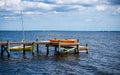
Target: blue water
(103, 57)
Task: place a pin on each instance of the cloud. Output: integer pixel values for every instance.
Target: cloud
(101, 7)
(29, 4)
(114, 2)
(32, 13)
(10, 4)
(56, 6)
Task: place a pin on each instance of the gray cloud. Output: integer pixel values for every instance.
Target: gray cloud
(114, 2)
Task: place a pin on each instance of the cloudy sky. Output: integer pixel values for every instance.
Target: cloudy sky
(75, 15)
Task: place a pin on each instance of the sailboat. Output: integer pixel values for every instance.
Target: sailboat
(21, 47)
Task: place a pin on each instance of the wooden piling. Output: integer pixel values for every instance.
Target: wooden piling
(87, 48)
(77, 46)
(55, 49)
(23, 49)
(75, 50)
(37, 45)
(8, 48)
(58, 46)
(2, 50)
(33, 48)
(47, 49)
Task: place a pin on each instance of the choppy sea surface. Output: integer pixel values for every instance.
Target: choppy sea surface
(103, 57)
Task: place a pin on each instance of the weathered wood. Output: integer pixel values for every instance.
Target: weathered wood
(5, 46)
(37, 45)
(77, 47)
(58, 46)
(23, 49)
(2, 50)
(8, 48)
(33, 48)
(47, 49)
(75, 51)
(55, 49)
(86, 48)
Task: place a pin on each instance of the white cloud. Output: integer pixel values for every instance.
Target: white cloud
(31, 13)
(58, 6)
(2, 3)
(45, 6)
(101, 7)
(73, 1)
(118, 10)
(88, 20)
(29, 4)
(12, 5)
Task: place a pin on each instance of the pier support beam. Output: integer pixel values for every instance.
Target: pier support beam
(8, 48)
(78, 47)
(87, 48)
(47, 49)
(23, 49)
(55, 49)
(33, 48)
(37, 45)
(2, 50)
(58, 46)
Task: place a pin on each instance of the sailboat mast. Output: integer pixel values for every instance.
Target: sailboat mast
(22, 25)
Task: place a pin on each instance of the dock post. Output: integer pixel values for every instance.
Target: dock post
(55, 49)
(78, 46)
(2, 50)
(1, 54)
(8, 48)
(58, 46)
(47, 49)
(75, 50)
(23, 49)
(87, 48)
(33, 48)
(37, 45)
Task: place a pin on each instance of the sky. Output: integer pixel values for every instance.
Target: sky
(68, 15)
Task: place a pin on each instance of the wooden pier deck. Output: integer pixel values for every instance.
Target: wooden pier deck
(5, 46)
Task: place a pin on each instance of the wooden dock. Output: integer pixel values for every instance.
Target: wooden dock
(6, 46)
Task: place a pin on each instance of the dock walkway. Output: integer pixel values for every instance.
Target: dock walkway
(30, 46)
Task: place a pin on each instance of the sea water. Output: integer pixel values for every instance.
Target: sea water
(103, 56)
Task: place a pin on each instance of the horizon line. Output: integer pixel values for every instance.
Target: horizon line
(61, 30)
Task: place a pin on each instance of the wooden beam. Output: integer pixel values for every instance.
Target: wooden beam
(37, 45)
(47, 49)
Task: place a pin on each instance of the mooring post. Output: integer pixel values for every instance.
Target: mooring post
(1, 49)
(78, 46)
(55, 49)
(58, 46)
(37, 45)
(23, 49)
(75, 50)
(33, 48)
(87, 48)
(8, 48)
(47, 49)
